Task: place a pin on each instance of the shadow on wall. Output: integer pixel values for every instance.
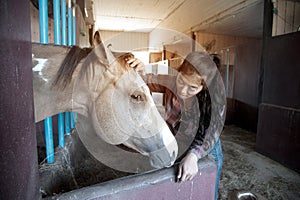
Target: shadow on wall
(241, 114)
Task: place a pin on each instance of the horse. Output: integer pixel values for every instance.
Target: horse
(104, 89)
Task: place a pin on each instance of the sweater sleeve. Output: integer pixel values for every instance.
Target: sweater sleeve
(159, 83)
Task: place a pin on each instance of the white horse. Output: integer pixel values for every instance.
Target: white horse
(104, 89)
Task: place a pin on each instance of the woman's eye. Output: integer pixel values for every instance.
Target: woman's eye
(193, 88)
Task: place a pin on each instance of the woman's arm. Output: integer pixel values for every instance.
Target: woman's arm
(159, 83)
(188, 166)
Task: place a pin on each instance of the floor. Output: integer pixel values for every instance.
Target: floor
(246, 170)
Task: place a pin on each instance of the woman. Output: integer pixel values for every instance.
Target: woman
(188, 110)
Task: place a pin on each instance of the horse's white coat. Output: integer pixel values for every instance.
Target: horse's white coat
(106, 95)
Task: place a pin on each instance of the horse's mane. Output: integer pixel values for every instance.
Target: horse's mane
(68, 66)
(71, 61)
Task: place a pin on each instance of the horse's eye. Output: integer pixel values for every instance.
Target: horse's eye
(137, 98)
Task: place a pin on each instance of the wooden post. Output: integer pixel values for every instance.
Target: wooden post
(18, 152)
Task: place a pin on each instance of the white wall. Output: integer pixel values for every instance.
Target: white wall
(160, 37)
(126, 41)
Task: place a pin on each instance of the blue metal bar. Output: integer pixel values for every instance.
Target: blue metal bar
(57, 40)
(43, 16)
(75, 117)
(61, 130)
(70, 38)
(49, 139)
(70, 29)
(64, 42)
(73, 43)
(74, 26)
(67, 122)
(72, 120)
(63, 23)
(56, 17)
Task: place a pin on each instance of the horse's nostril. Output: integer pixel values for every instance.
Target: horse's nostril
(174, 155)
(172, 158)
(170, 165)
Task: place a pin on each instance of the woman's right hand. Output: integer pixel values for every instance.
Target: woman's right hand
(188, 168)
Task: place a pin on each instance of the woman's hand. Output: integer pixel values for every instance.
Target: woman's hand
(137, 65)
(188, 168)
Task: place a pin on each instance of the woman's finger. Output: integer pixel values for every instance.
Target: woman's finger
(184, 176)
(179, 173)
(133, 62)
(190, 177)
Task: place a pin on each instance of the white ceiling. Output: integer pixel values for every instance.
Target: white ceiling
(229, 17)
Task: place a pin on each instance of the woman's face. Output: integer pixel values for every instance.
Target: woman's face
(186, 88)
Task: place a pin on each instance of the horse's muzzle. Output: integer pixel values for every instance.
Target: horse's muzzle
(162, 158)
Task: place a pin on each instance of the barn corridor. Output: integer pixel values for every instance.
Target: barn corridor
(246, 170)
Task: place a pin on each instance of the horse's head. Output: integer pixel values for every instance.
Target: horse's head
(123, 111)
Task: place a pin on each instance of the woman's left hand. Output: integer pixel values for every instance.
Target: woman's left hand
(137, 65)
(188, 167)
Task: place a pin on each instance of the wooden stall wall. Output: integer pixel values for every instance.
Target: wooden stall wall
(217, 44)
(286, 17)
(246, 82)
(177, 50)
(82, 30)
(278, 130)
(18, 167)
(155, 57)
(242, 57)
(278, 133)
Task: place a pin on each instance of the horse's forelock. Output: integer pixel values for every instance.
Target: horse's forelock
(124, 66)
(93, 60)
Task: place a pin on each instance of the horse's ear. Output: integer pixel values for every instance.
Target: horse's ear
(101, 51)
(97, 39)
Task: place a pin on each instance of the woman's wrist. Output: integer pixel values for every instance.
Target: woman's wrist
(193, 156)
(196, 151)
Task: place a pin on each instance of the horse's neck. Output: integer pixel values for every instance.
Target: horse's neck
(50, 100)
